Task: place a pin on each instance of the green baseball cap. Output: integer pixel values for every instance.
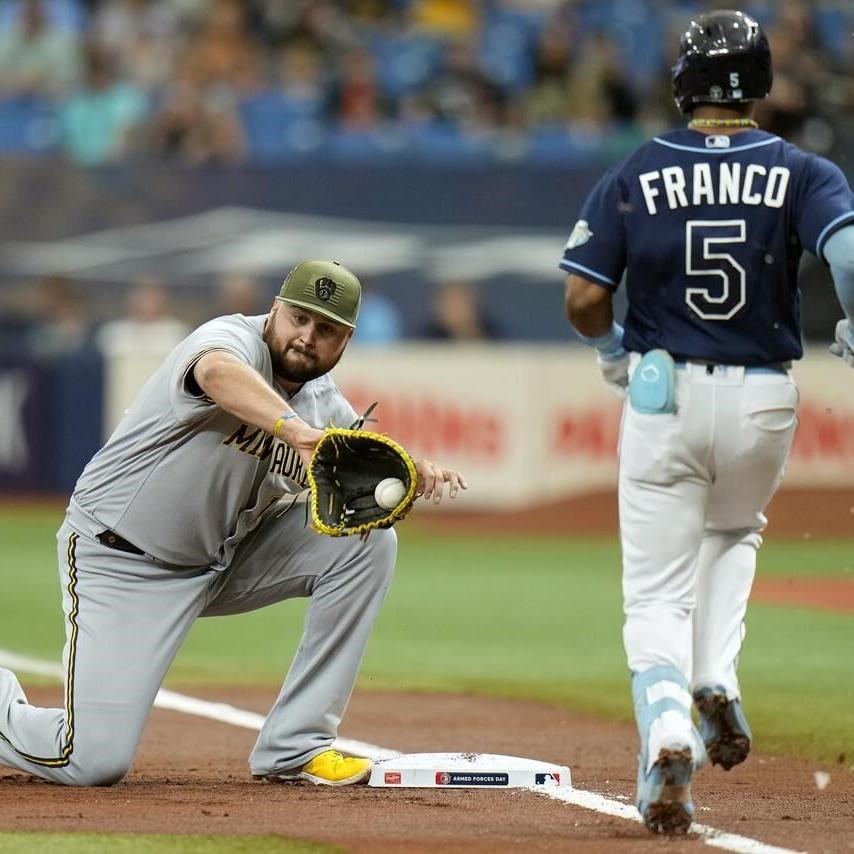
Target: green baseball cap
(326, 287)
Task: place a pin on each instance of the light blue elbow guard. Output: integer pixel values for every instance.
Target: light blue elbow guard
(652, 389)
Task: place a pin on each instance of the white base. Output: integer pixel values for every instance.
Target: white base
(466, 770)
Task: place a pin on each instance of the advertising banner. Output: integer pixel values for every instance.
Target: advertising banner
(529, 424)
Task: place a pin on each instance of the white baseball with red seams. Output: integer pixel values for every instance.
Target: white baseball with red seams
(389, 491)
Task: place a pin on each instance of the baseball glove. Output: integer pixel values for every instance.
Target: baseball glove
(343, 475)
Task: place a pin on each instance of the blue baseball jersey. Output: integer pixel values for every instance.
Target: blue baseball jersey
(709, 230)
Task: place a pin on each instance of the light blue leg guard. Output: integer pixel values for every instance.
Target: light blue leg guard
(662, 701)
(671, 749)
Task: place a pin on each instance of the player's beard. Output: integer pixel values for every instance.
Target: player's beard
(296, 365)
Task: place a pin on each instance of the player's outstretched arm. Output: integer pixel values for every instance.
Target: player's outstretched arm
(242, 391)
(432, 479)
(839, 252)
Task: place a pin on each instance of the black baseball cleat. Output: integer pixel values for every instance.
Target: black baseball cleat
(723, 726)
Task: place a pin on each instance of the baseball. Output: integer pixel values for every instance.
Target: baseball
(389, 491)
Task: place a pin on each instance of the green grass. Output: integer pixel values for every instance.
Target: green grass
(535, 618)
(135, 843)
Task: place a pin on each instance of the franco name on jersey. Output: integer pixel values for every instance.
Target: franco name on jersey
(714, 184)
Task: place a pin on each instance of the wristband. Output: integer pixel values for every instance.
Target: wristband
(608, 344)
(281, 421)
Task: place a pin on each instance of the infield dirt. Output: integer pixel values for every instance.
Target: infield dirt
(190, 776)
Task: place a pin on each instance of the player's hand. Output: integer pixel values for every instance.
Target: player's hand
(843, 346)
(615, 371)
(432, 479)
(302, 437)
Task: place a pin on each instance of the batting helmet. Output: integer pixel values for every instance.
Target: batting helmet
(724, 58)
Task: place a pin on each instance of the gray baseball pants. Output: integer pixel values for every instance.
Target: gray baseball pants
(126, 616)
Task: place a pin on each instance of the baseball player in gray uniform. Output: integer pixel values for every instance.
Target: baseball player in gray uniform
(195, 507)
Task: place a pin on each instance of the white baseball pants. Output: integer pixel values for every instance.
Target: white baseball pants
(692, 490)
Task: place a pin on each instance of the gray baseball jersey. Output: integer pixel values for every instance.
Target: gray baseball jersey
(182, 479)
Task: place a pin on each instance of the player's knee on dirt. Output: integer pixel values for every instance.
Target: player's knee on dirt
(100, 761)
(101, 770)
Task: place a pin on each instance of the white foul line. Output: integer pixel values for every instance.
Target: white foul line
(709, 835)
(226, 713)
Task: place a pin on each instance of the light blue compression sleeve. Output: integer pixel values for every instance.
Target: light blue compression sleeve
(839, 252)
(609, 345)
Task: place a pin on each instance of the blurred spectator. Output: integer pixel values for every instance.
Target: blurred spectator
(373, 13)
(356, 101)
(61, 319)
(550, 98)
(462, 94)
(190, 12)
(37, 59)
(599, 88)
(148, 327)
(323, 24)
(800, 73)
(380, 321)
(458, 315)
(97, 121)
(461, 77)
(197, 120)
(446, 18)
(222, 57)
(194, 129)
(141, 37)
(787, 107)
(237, 294)
(301, 76)
(277, 20)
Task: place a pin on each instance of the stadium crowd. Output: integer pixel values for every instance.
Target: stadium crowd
(264, 80)
(453, 81)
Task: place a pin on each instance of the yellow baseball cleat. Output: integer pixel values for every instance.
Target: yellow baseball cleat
(329, 768)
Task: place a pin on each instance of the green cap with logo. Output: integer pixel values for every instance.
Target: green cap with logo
(326, 287)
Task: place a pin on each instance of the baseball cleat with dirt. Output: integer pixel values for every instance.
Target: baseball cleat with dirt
(664, 794)
(723, 727)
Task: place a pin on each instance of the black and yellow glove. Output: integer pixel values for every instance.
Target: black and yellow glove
(343, 475)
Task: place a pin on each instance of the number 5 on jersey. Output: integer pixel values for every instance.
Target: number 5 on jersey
(701, 239)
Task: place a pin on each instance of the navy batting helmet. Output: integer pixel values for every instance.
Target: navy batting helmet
(724, 58)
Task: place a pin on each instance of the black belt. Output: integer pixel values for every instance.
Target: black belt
(113, 541)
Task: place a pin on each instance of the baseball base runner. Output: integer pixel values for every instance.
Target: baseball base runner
(708, 224)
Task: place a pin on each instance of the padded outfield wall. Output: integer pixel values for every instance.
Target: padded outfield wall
(533, 423)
